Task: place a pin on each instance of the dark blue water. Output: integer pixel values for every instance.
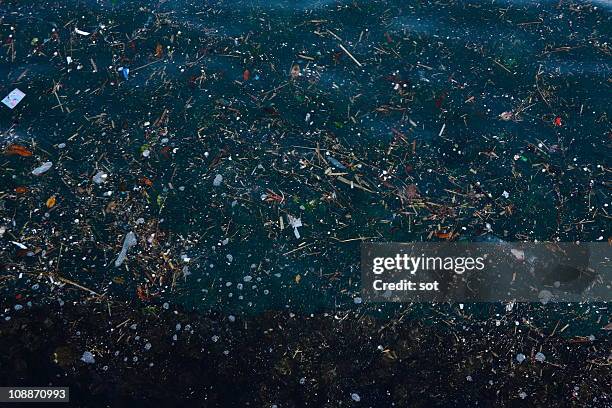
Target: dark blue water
(463, 116)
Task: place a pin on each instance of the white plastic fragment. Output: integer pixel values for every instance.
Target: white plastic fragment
(100, 177)
(540, 357)
(19, 244)
(217, 181)
(355, 397)
(442, 130)
(128, 242)
(13, 98)
(520, 357)
(81, 32)
(88, 358)
(43, 168)
(295, 223)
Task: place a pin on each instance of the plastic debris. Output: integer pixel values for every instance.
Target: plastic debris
(128, 242)
(43, 168)
(295, 223)
(336, 163)
(13, 98)
(540, 357)
(100, 177)
(88, 358)
(231, 157)
(19, 244)
(81, 32)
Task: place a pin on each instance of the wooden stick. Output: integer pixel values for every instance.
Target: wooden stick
(68, 281)
(350, 55)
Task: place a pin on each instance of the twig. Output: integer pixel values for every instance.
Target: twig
(350, 55)
(68, 281)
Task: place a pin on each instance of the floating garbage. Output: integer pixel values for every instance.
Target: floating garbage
(88, 358)
(228, 160)
(540, 357)
(336, 163)
(295, 223)
(81, 32)
(128, 242)
(125, 72)
(100, 177)
(13, 98)
(43, 168)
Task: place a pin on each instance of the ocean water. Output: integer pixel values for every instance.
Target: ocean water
(408, 111)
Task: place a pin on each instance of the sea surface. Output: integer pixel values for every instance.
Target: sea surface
(217, 123)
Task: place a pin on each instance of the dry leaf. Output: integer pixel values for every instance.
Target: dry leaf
(17, 150)
(444, 235)
(51, 202)
(145, 181)
(111, 207)
(295, 71)
(120, 280)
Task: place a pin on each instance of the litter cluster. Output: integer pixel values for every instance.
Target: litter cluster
(232, 155)
(150, 145)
